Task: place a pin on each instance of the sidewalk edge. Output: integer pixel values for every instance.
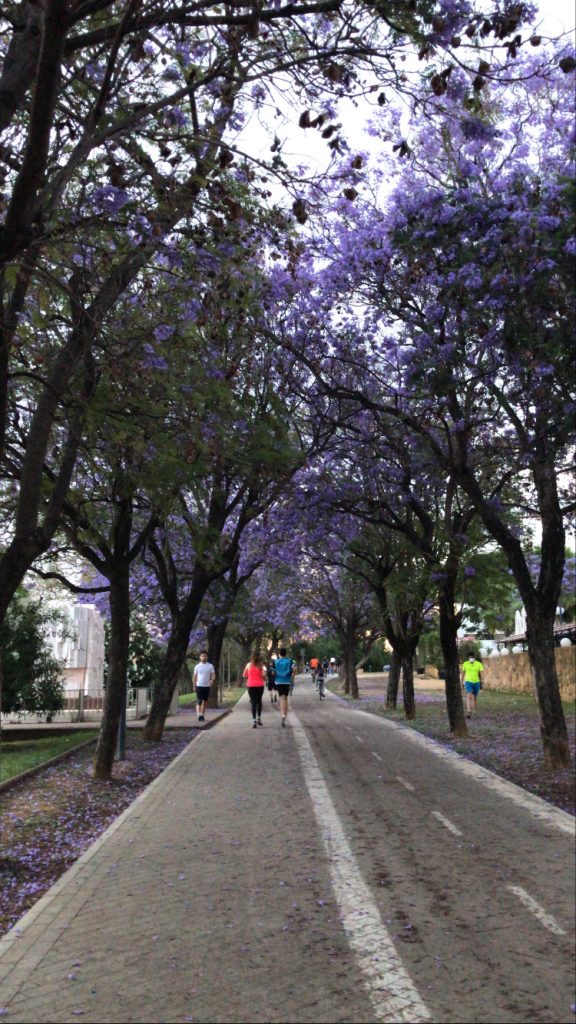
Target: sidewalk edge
(19, 927)
(536, 804)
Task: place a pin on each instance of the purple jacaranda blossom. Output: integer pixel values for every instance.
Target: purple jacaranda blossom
(109, 199)
(163, 331)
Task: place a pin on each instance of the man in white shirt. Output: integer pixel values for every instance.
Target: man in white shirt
(204, 674)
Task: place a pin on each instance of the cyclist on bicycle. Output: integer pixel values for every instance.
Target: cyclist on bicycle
(320, 674)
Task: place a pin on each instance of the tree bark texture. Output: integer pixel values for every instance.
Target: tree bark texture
(393, 680)
(20, 63)
(408, 685)
(175, 657)
(115, 693)
(449, 643)
(351, 677)
(21, 211)
(215, 634)
(541, 653)
(540, 599)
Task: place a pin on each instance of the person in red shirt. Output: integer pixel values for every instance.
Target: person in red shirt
(255, 676)
(314, 666)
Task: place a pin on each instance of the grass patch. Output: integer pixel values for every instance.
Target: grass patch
(231, 696)
(20, 755)
(185, 699)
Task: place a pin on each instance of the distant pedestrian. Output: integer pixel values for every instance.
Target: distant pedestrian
(472, 679)
(255, 676)
(204, 675)
(284, 681)
(271, 682)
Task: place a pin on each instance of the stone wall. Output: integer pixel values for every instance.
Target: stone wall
(512, 672)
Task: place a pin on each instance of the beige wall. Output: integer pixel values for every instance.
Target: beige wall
(512, 672)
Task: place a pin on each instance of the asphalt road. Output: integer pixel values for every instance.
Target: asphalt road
(476, 890)
(338, 870)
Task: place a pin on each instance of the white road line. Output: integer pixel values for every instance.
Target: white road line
(546, 919)
(360, 740)
(447, 823)
(374, 754)
(407, 785)
(535, 805)
(391, 990)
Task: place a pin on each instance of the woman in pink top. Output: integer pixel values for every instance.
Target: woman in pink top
(255, 676)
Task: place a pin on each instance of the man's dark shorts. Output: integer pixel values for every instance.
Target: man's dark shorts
(283, 689)
(202, 693)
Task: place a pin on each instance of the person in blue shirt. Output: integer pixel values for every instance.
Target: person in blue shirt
(284, 679)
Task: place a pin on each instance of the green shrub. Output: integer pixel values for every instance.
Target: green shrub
(32, 677)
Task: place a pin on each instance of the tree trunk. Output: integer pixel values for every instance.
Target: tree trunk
(19, 555)
(174, 658)
(539, 601)
(215, 634)
(351, 678)
(408, 684)
(449, 645)
(541, 652)
(245, 652)
(393, 681)
(115, 695)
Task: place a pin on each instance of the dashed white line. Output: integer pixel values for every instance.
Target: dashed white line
(392, 993)
(374, 754)
(407, 785)
(447, 823)
(540, 809)
(360, 740)
(543, 916)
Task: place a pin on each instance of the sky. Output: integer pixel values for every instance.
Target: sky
(556, 17)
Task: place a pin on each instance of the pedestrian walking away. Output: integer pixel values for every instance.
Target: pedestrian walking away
(204, 675)
(271, 682)
(284, 681)
(472, 679)
(255, 676)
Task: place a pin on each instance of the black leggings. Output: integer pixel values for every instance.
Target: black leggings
(255, 694)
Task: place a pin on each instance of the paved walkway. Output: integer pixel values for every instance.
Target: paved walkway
(185, 718)
(207, 900)
(237, 888)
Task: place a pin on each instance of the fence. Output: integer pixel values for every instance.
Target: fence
(84, 707)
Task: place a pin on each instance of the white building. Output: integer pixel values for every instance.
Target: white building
(83, 651)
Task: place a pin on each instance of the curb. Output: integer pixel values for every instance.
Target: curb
(212, 721)
(537, 805)
(19, 927)
(36, 768)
